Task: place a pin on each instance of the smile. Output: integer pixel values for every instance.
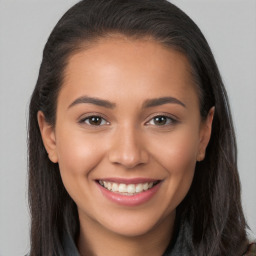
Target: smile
(127, 189)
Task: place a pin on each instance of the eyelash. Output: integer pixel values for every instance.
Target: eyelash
(83, 120)
(170, 120)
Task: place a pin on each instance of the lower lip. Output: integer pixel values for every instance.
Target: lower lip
(134, 200)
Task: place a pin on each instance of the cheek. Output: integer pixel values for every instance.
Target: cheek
(78, 155)
(179, 162)
(177, 155)
(177, 151)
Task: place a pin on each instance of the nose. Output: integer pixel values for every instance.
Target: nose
(127, 149)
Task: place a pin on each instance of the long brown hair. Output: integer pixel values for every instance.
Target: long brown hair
(212, 206)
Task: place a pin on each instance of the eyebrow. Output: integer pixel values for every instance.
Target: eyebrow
(107, 104)
(161, 101)
(92, 100)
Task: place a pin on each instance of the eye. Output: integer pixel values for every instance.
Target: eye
(94, 120)
(162, 120)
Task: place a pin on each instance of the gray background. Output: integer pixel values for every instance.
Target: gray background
(230, 28)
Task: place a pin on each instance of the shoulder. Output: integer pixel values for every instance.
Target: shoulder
(251, 250)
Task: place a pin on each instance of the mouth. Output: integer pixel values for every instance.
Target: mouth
(128, 189)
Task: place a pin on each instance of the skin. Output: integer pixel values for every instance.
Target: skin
(128, 142)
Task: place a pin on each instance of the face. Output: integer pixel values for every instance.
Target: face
(128, 134)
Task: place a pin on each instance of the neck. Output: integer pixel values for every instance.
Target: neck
(95, 240)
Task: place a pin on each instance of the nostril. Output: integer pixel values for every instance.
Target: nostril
(128, 158)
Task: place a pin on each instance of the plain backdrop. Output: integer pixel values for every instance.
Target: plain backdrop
(230, 28)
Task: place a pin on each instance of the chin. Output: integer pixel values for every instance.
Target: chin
(136, 225)
(132, 230)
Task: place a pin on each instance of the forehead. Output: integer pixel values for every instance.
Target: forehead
(124, 65)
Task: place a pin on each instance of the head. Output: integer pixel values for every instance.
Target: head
(210, 199)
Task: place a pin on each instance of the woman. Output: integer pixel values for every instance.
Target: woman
(131, 144)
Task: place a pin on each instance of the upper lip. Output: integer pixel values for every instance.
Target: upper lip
(128, 181)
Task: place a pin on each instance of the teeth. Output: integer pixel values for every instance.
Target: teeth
(127, 189)
(145, 186)
(139, 188)
(131, 189)
(122, 188)
(114, 187)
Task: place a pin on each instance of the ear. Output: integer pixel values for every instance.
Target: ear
(205, 134)
(48, 136)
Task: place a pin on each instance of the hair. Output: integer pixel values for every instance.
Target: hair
(212, 206)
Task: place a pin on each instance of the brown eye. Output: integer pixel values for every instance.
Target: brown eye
(94, 120)
(162, 121)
